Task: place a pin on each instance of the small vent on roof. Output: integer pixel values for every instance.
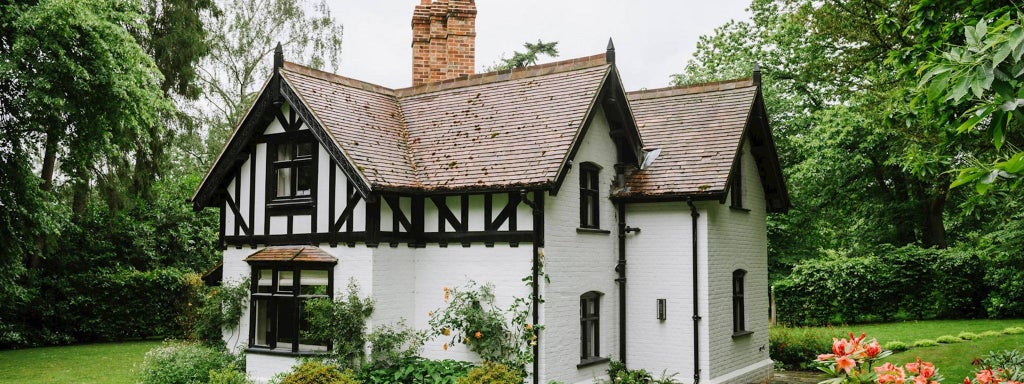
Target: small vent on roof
(649, 156)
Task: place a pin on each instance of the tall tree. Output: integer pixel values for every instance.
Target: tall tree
(525, 59)
(242, 39)
(84, 87)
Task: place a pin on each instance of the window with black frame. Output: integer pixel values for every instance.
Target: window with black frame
(590, 196)
(738, 311)
(294, 165)
(278, 292)
(590, 327)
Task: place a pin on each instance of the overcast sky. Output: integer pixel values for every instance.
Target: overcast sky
(653, 38)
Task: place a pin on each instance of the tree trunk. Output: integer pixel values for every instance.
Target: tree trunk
(80, 199)
(46, 174)
(934, 228)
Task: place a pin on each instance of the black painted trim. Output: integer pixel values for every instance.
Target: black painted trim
(592, 362)
(349, 169)
(593, 230)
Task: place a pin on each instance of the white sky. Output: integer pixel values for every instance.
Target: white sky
(653, 38)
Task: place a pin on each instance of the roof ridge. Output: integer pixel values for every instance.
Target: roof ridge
(690, 89)
(336, 78)
(508, 74)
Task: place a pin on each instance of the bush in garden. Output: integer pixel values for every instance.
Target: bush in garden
(924, 343)
(342, 322)
(497, 335)
(619, 374)
(228, 375)
(1014, 330)
(393, 344)
(793, 347)
(999, 367)
(968, 335)
(184, 363)
(896, 346)
(211, 310)
(990, 333)
(947, 339)
(415, 370)
(491, 373)
(316, 372)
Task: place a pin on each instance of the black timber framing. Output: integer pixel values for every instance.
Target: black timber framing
(611, 97)
(354, 177)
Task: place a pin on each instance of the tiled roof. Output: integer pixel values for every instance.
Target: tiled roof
(498, 130)
(698, 130)
(292, 254)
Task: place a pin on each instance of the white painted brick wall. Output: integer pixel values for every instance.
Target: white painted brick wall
(659, 266)
(578, 263)
(738, 240)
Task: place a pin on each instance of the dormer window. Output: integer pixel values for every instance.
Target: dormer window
(295, 170)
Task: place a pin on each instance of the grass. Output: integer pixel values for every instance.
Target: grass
(910, 331)
(954, 360)
(90, 363)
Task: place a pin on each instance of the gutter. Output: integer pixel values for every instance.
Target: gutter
(620, 268)
(538, 244)
(694, 215)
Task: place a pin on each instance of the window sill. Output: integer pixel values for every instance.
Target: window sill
(592, 361)
(740, 209)
(290, 206)
(593, 230)
(283, 352)
(740, 334)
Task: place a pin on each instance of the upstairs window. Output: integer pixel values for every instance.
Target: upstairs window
(295, 170)
(739, 326)
(590, 327)
(589, 196)
(736, 189)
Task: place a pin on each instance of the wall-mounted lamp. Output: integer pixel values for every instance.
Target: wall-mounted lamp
(662, 309)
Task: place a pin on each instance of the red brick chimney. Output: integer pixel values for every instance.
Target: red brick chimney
(443, 40)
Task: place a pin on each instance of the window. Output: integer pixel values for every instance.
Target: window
(295, 170)
(278, 292)
(738, 311)
(590, 327)
(736, 189)
(589, 196)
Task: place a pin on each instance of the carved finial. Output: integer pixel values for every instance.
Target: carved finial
(278, 56)
(757, 74)
(609, 55)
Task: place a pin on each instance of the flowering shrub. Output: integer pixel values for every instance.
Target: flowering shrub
(497, 335)
(1006, 367)
(852, 361)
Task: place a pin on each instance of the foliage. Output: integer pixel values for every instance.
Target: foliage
(496, 335)
(968, 336)
(795, 346)
(1010, 362)
(211, 310)
(393, 344)
(492, 373)
(416, 370)
(183, 363)
(909, 282)
(242, 38)
(525, 59)
(896, 346)
(342, 322)
(947, 339)
(852, 360)
(924, 343)
(984, 74)
(619, 374)
(315, 372)
(228, 375)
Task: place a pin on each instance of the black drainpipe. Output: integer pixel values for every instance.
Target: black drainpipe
(620, 267)
(538, 243)
(696, 302)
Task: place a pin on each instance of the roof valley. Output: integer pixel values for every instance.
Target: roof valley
(408, 154)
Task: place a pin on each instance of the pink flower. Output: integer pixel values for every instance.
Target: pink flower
(845, 363)
(825, 356)
(873, 349)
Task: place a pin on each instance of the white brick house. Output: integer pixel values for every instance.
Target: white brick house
(467, 176)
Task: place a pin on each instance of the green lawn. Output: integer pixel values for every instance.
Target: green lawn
(90, 363)
(954, 360)
(909, 331)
